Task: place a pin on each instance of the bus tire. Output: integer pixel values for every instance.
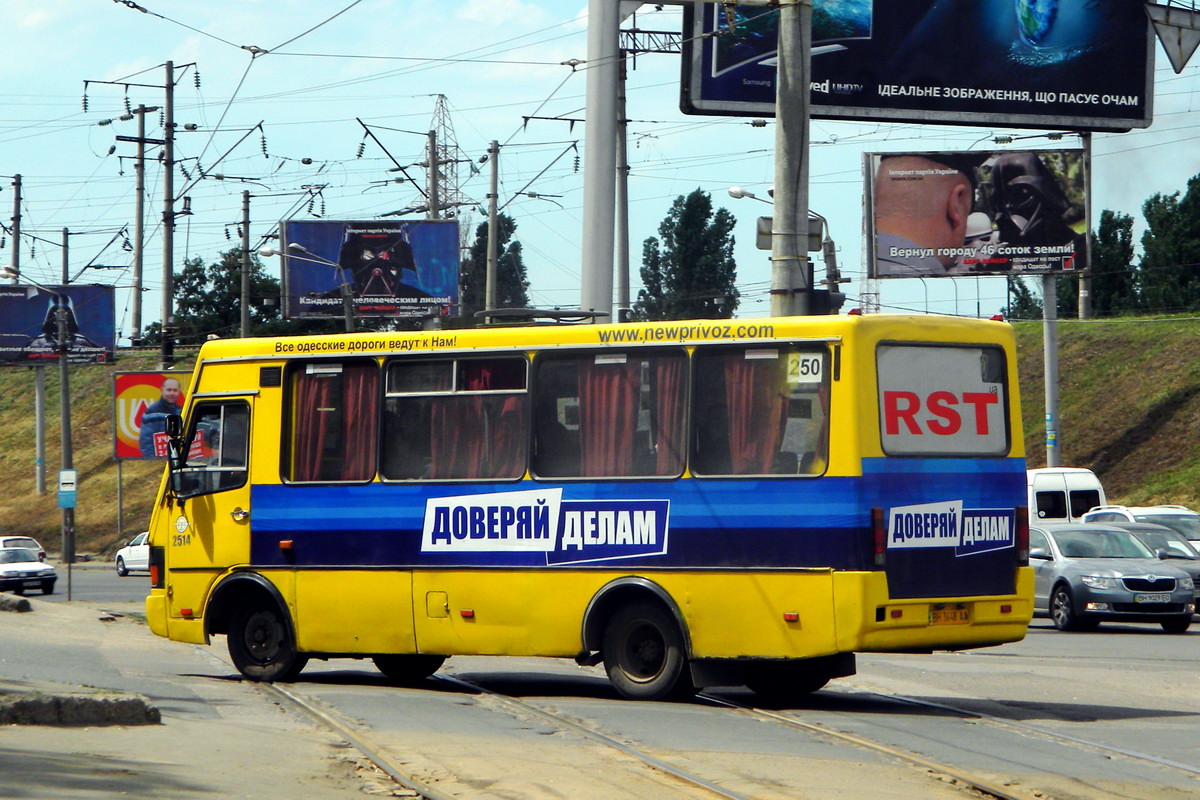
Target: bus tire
(408, 668)
(1063, 613)
(784, 681)
(262, 646)
(1178, 624)
(644, 654)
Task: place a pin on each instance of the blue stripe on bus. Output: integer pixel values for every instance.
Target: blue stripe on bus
(821, 522)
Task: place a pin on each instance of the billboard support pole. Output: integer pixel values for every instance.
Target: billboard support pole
(1085, 276)
(600, 158)
(39, 427)
(1050, 356)
(789, 232)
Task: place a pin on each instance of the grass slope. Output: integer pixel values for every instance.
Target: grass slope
(1129, 408)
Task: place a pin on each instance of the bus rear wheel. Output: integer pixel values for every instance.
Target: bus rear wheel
(262, 647)
(644, 654)
(408, 668)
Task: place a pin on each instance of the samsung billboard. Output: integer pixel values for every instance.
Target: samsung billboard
(1061, 64)
(393, 268)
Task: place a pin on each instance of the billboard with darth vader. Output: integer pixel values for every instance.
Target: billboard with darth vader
(976, 213)
(390, 268)
(1073, 64)
(32, 332)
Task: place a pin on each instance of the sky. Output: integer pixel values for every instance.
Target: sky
(497, 69)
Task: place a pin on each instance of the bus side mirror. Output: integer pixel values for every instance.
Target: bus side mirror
(174, 431)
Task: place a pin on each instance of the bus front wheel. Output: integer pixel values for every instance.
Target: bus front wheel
(262, 647)
(644, 654)
(408, 668)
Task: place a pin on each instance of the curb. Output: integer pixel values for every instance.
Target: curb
(12, 602)
(77, 710)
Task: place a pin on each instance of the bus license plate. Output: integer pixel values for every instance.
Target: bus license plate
(949, 616)
(1161, 597)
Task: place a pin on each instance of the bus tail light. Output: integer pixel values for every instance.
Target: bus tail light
(1022, 534)
(157, 561)
(878, 536)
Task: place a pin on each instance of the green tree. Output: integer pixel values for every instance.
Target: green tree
(512, 285)
(1022, 302)
(1113, 277)
(1168, 276)
(689, 272)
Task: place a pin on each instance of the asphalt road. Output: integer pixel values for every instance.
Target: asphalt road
(96, 582)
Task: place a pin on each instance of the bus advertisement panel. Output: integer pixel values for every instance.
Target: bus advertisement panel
(29, 324)
(947, 214)
(141, 403)
(1075, 64)
(393, 268)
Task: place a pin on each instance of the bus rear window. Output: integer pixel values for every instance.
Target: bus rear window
(940, 400)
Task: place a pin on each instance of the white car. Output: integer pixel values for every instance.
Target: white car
(1177, 518)
(135, 556)
(26, 542)
(20, 571)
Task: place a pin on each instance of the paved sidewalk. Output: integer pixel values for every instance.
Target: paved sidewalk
(217, 736)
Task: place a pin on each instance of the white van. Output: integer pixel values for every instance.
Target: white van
(1063, 494)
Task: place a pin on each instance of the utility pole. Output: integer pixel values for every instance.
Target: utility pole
(168, 305)
(622, 197)
(435, 201)
(139, 226)
(16, 230)
(493, 226)
(68, 456)
(245, 263)
(790, 269)
(39, 378)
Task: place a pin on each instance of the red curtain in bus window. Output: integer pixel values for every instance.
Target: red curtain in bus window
(360, 421)
(669, 382)
(310, 426)
(608, 406)
(757, 403)
(481, 436)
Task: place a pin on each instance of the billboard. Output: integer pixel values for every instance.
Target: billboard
(1073, 64)
(976, 213)
(141, 402)
(394, 268)
(29, 324)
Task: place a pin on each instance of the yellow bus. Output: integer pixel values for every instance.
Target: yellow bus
(692, 504)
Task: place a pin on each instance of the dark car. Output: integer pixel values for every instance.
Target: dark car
(1085, 574)
(20, 569)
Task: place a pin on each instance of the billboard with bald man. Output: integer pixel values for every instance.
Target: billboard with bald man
(949, 214)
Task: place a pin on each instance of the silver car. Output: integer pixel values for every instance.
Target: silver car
(1086, 574)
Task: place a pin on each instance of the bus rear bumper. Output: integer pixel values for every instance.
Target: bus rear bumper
(942, 623)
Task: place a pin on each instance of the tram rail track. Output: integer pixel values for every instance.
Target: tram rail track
(682, 773)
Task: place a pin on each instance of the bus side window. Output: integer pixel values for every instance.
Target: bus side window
(610, 414)
(333, 421)
(217, 449)
(759, 411)
(456, 419)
